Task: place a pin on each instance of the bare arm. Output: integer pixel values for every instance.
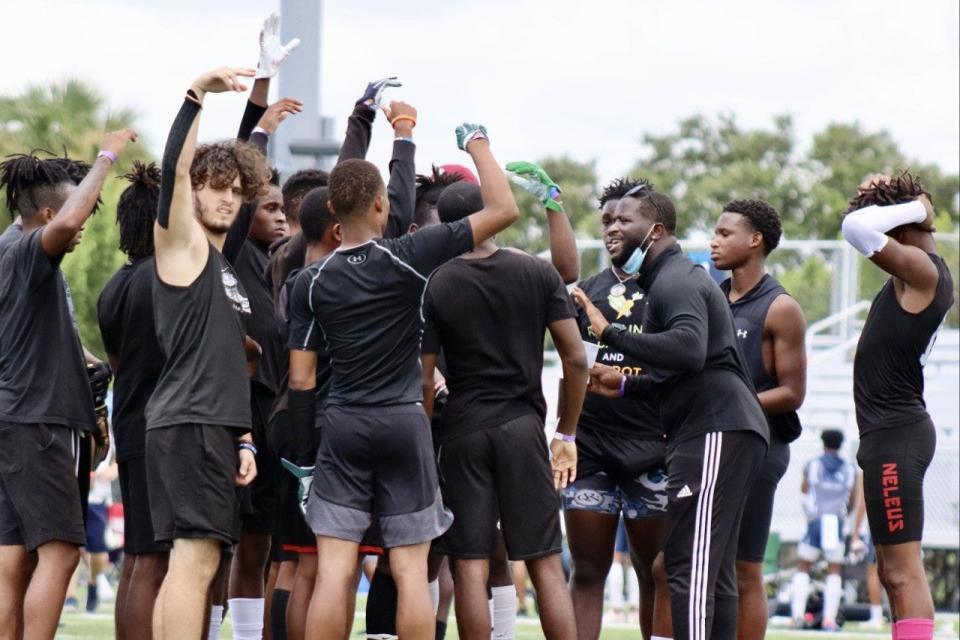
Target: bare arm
(428, 363)
(853, 503)
(61, 230)
(499, 208)
(566, 338)
(303, 370)
(787, 325)
(563, 247)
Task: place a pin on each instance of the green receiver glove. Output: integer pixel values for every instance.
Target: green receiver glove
(534, 180)
(468, 132)
(304, 476)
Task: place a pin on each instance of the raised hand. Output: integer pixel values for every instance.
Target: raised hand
(469, 132)
(374, 91)
(278, 112)
(221, 80)
(272, 52)
(116, 141)
(534, 180)
(401, 116)
(597, 322)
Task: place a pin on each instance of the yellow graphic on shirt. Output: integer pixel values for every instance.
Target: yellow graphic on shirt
(622, 305)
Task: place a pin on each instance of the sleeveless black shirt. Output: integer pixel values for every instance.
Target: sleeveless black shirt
(749, 317)
(200, 328)
(893, 347)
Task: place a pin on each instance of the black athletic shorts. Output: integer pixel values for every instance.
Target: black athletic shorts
(618, 474)
(758, 512)
(137, 526)
(190, 480)
(377, 459)
(894, 462)
(500, 472)
(259, 502)
(39, 496)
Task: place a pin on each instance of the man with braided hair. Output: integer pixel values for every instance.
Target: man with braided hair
(198, 441)
(45, 399)
(890, 221)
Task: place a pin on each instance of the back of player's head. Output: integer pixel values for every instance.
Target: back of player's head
(763, 218)
(218, 164)
(429, 189)
(315, 215)
(354, 185)
(137, 210)
(832, 439)
(616, 188)
(905, 187)
(458, 201)
(32, 184)
(297, 186)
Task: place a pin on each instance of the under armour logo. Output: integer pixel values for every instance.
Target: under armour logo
(685, 492)
(742, 334)
(358, 258)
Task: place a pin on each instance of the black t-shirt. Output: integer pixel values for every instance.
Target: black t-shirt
(489, 316)
(893, 347)
(365, 304)
(750, 318)
(689, 347)
(621, 302)
(251, 265)
(296, 299)
(43, 378)
(200, 328)
(125, 314)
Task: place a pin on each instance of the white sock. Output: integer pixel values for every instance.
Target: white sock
(876, 613)
(633, 589)
(831, 597)
(504, 612)
(660, 638)
(615, 586)
(801, 589)
(435, 594)
(216, 617)
(246, 614)
(490, 608)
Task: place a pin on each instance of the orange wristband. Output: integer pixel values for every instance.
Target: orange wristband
(394, 122)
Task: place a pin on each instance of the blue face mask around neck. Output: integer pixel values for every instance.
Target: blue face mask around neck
(632, 266)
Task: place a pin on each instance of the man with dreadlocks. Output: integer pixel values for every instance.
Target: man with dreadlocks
(125, 314)
(890, 221)
(198, 441)
(45, 398)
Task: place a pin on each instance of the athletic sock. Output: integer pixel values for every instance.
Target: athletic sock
(216, 618)
(801, 589)
(441, 630)
(633, 589)
(92, 600)
(381, 612)
(246, 614)
(876, 613)
(914, 629)
(504, 612)
(660, 638)
(278, 614)
(435, 594)
(831, 597)
(615, 586)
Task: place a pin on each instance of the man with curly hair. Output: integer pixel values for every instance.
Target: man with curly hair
(890, 221)
(198, 441)
(770, 329)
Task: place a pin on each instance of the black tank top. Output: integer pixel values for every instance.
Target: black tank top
(201, 331)
(749, 317)
(888, 366)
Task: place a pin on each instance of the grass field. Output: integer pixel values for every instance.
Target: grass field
(99, 626)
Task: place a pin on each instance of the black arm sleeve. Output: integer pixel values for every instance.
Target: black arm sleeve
(302, 416)
(402, 189)
(259, 140)
(357, 139)
(682, 346)
(239, 231)
(171, 154)
(639, 387)
(251, 116)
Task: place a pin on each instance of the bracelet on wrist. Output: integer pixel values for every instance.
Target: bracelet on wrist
(249, 446)
(623, 386)
(565, 437)
(109, 155)
(393, 123)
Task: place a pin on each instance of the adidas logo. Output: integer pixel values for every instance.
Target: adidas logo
(685, 492)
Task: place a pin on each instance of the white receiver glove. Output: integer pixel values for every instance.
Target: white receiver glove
(272, 53)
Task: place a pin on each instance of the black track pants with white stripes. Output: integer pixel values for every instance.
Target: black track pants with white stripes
(708, 480)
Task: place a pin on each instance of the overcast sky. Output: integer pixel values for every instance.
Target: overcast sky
(584, 78)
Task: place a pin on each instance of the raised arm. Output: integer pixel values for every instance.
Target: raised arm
(63, 227)
(499, 208)
(787, 326)
(402, 187)
(360, 123)
(533, 179)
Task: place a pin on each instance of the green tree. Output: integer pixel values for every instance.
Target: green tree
(71, 117)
